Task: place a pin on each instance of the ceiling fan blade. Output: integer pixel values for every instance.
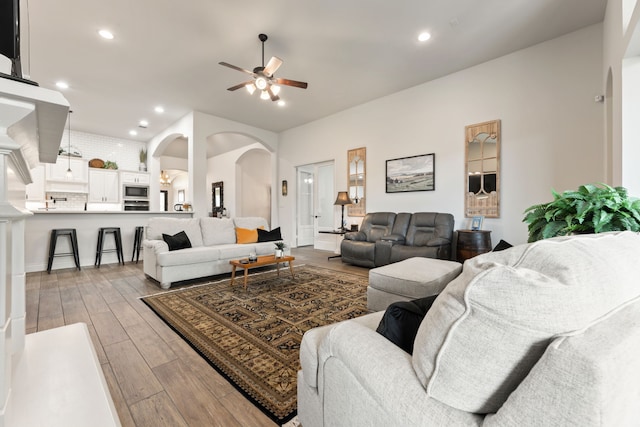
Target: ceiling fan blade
(273, 96)
(236, 68)
(273, 64)
(238, 86)
(294, 83)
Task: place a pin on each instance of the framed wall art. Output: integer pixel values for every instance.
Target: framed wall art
(415, 173)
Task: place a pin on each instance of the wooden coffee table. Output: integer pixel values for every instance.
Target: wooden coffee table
(261, 262)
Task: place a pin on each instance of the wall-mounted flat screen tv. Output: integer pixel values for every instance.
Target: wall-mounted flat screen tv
(10, 37)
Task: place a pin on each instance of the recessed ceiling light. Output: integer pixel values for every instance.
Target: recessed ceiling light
(133, 132)
(62, 85)
(281, 103)
(106, 34)
(423, 37)
(143, 123)
(159, 109)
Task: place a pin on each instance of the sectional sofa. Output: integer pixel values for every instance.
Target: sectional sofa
(387, 237)
(213, 244)
(543, 334)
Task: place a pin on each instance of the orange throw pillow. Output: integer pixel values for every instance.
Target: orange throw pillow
(245, 235)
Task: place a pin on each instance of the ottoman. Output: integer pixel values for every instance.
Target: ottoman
(409, 279)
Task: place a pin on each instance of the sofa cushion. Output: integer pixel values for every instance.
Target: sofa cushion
(186, 257)
(251, 222)
(217, 231)
(177, 241)
(489, 326)
(269, 236)
(402, 319)
(158, 225)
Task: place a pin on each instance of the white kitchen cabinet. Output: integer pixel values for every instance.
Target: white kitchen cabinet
(35, 191)
(58, 171)
(135, 178)
(103, 186)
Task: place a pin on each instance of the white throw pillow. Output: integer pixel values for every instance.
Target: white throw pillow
(217, 231)
(171, 226)
(490, 326)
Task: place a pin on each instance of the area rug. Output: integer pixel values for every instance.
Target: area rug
(252, 337)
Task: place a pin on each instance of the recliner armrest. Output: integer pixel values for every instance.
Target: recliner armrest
(356, 235)
(438, 241)
(394, 238)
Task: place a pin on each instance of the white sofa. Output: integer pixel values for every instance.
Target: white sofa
(213, 242)
(544, 334)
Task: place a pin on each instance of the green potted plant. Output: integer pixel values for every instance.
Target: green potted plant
(143, 160)
(279, 249)
(591, 209)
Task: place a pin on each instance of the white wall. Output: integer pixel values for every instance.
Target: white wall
(223, 168)
(253, 184)
(551, 133)
(621, 40)
(631, 125)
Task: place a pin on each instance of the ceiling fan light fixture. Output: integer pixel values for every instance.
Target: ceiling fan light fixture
(275, 89)
(251, 88)
(264, 95)
(261, 83)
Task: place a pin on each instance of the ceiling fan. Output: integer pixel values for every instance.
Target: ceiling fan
(263, 77)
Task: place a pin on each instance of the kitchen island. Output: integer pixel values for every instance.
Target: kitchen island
(38, 229)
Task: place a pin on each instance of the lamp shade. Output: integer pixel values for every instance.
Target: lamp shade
(343, 199)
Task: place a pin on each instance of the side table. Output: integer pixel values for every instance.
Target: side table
(472, 243)
(336, 232)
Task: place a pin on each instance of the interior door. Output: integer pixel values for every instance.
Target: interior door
(305, 210)
(315, 205)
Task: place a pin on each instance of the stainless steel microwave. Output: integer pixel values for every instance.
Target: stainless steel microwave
(135, 192)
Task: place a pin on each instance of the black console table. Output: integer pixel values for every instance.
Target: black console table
(337, 232)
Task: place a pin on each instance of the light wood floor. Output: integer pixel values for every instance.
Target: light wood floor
(155, 378)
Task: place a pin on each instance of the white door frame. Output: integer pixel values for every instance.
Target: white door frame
(321, 192)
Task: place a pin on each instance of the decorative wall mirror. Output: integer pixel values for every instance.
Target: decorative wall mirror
(217, 197)
(482, 169)
(357, 176)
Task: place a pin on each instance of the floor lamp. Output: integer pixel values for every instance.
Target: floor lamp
(342, 200)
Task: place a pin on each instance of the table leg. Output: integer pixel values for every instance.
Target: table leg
(233, 274)
(278, 268)
(246, 274)
(291, 269)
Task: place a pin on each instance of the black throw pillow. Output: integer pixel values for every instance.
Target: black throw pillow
(269, 236)
(402, 319)
(502, 245)
(177, 241)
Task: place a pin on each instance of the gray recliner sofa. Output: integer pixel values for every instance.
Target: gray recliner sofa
(387, 237)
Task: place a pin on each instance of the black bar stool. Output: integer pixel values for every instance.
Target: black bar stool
(73, 241)
(102, 232)
(137, 244)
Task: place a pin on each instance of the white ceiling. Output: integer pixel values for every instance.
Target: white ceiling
(166, 52)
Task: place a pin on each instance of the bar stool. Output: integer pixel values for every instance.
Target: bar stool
(73, 241)
(137, 243)
(102, 232)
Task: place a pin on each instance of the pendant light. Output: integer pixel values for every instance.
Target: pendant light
(69, 172)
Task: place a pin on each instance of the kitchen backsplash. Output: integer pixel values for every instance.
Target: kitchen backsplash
(125, 152)
(74, 201)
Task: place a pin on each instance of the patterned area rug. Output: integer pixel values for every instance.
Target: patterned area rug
(253, 337)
